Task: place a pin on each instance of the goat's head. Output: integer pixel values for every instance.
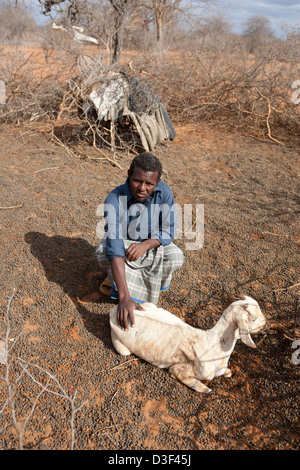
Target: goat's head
(249, 319)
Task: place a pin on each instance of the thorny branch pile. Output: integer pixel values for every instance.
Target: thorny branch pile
(249, 93)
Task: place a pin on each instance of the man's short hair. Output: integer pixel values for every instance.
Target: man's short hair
(146, 161)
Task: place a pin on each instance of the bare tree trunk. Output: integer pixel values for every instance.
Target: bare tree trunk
(120, 7)
(159, 32)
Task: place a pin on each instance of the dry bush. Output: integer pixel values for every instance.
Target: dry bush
(225, 86)
(122, 133)
(246, 92)
(34, 88)
(16, 24)
(21, 381)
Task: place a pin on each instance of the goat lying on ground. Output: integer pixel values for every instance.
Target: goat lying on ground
(190, 354)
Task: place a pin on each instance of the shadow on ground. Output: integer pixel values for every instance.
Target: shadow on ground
(71, 264)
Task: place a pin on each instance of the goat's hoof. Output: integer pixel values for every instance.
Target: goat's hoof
(227, 373)
(203, 389)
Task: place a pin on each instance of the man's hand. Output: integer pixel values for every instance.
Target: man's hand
(125, 309)
(126, 304)
(136, 250)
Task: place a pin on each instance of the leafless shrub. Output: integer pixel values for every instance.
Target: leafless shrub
(15, 23)
(33, 89)
(222, 84)
(16, 370)
(258, 33)
(251, 93)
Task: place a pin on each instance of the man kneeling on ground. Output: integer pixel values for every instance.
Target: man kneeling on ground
(138, 249)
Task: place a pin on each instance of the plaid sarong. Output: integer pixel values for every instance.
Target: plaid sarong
(149, 275)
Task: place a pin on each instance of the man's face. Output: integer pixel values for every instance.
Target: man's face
(142, 183)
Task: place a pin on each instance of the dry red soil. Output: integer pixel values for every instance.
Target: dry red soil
(251, 246)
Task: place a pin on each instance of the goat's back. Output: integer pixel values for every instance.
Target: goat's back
(155, 337)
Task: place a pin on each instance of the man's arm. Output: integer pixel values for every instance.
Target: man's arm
(126, 304)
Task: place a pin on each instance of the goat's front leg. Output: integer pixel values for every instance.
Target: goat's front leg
(118, 345)
(185, 374)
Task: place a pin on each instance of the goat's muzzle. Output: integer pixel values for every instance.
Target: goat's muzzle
(264, 329)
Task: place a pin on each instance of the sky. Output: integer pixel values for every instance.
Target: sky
(278, 12)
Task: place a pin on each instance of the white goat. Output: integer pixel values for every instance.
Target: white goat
(190, 354)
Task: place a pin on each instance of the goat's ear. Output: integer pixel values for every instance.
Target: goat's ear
(244, 330)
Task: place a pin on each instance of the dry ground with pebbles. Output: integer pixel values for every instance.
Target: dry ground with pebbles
(251, 246)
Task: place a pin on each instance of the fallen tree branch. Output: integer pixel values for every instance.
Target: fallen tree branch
(11, 207)
(51, 386)
(286, 288)
(113, 161)
(289, 330)
(59, 142)
(49, 168)
(268, 117)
